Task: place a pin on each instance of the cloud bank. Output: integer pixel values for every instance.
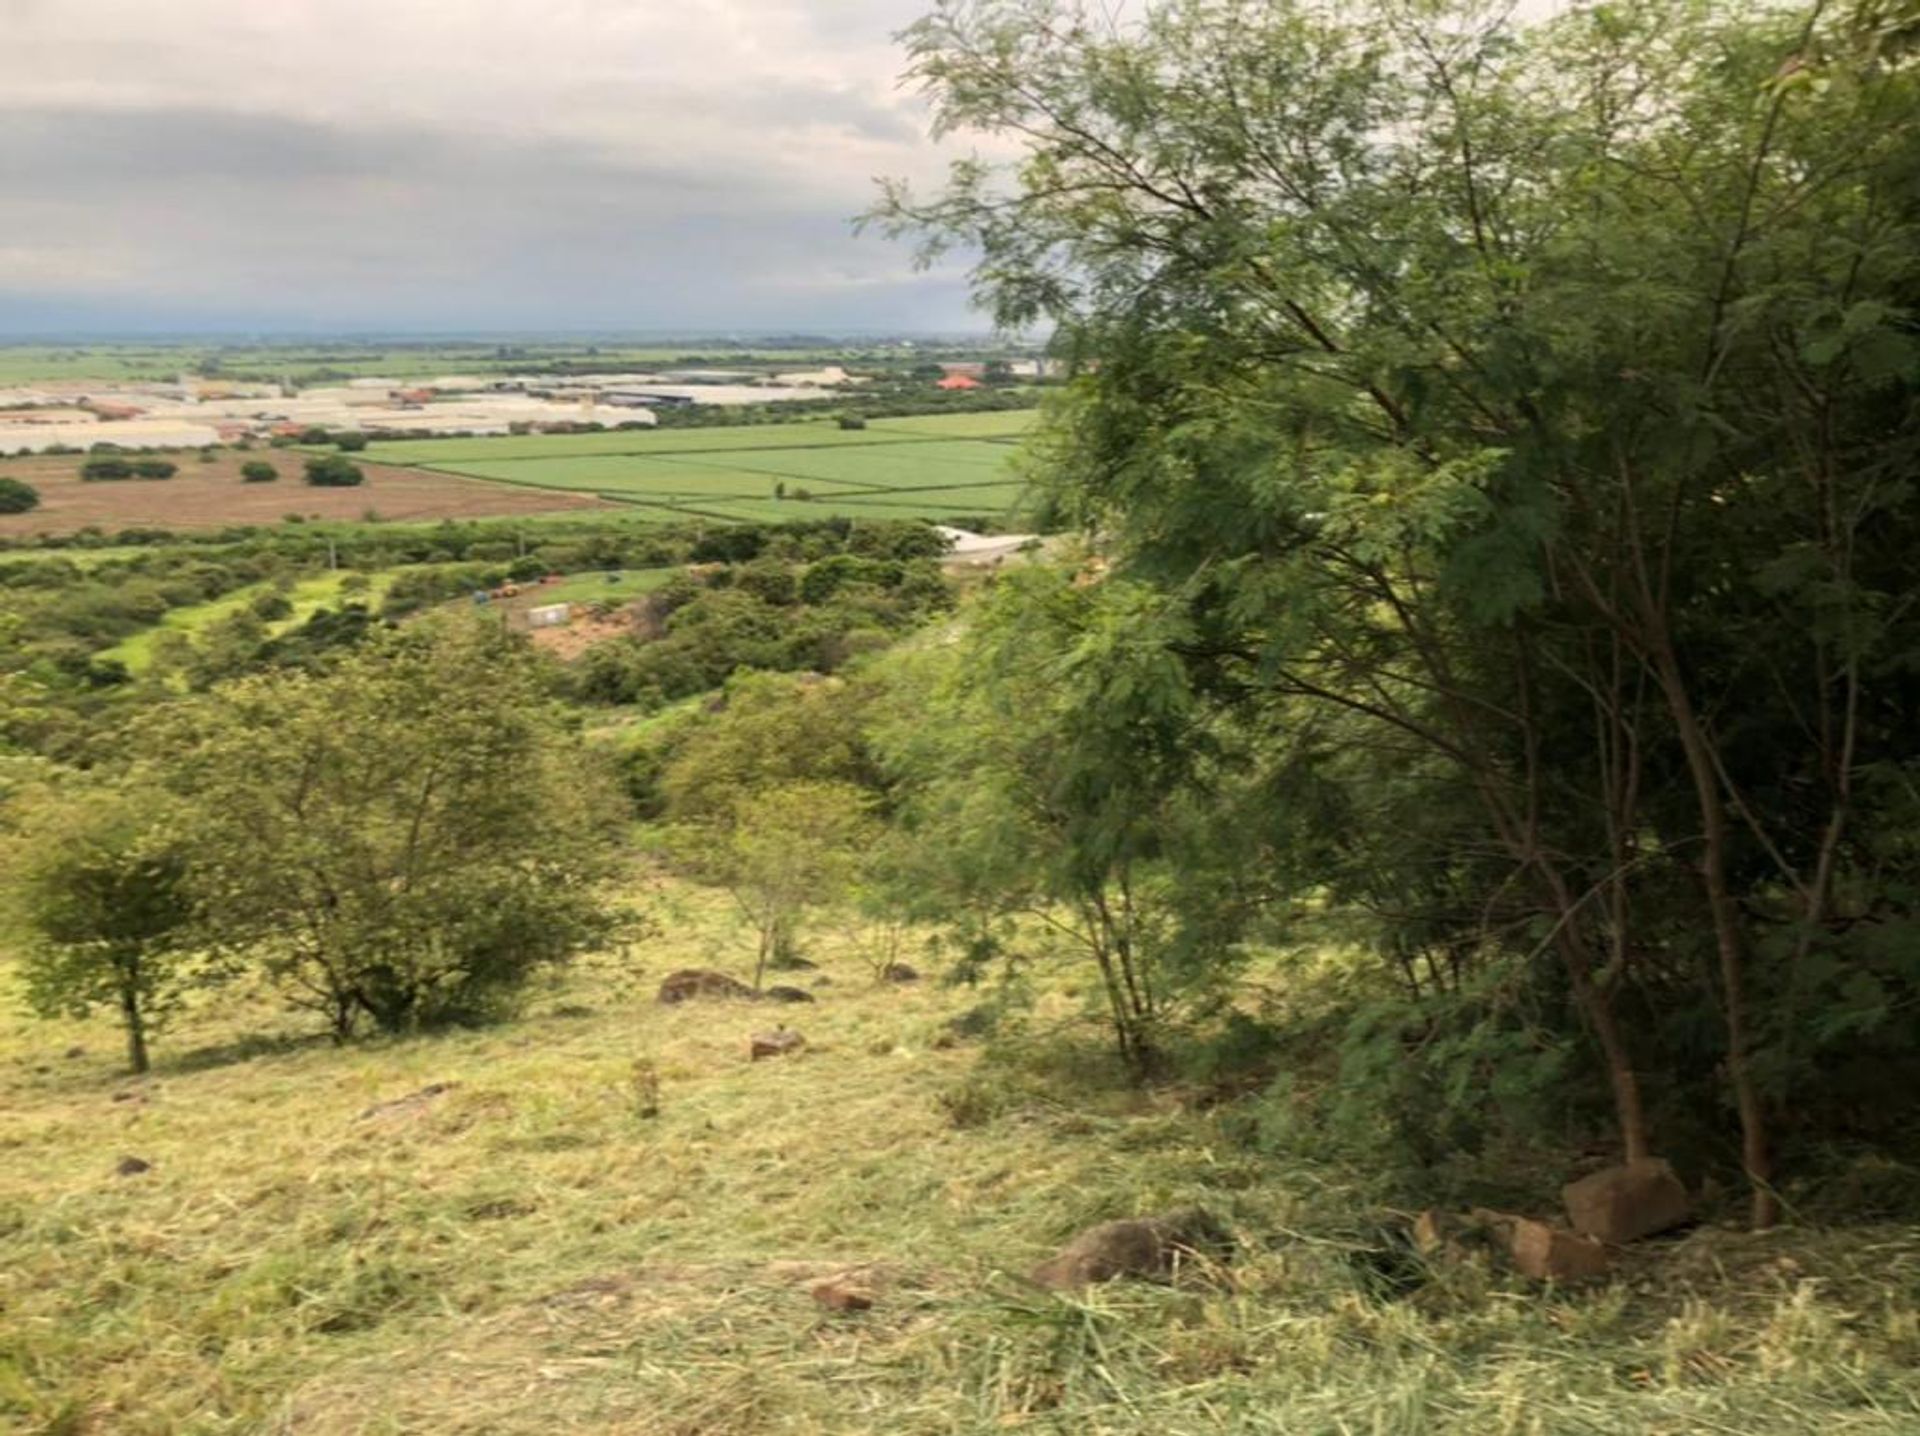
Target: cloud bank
(334, 165)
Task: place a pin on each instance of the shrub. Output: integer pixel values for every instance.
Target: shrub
(154, 469)
(17, 497)
(334, 472)
(105, 470)
(258, 471)
(350, 443)
(405, 837)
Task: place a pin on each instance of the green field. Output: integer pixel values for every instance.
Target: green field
(614, 586)
(934, 467)
(308, 597)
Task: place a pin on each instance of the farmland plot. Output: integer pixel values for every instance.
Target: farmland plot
(945, 466)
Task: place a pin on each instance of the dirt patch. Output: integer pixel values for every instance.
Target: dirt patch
(211, 495)
(583, 632)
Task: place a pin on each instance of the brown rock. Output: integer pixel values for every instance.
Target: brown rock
(1436, 1232)
(408, 1105)
(1624, 1203)
(776, 1043)
(839, 1294)
(132, 1166)
(787, 994)
(1547, 1253)
(1451, 1236)
(692, 982)
(899, 972)
(1150, 1247)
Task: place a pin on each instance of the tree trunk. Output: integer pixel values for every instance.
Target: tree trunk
(136, 1024)
(1755, 1157)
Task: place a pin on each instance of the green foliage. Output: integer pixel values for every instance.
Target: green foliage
(1530, 479)
(96, 889)
(1052, 766)
(258, 471)
(760, 617)
(351, 443)
(332, 471)
(780, 850)
(17, 496)
(402, 838)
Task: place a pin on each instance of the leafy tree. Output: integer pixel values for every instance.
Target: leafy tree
(258, 471)
(1050, 766)
(1535, 407)
(154, 469)
(105, 470)
(402, 837)
(351, 443)
(97, 890)
(332, 471)
(17, 496)
(774, 730)
(780, 851)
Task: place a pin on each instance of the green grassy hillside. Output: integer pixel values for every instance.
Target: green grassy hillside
(528, 1253)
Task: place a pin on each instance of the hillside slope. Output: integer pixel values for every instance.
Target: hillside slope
(527, 1252)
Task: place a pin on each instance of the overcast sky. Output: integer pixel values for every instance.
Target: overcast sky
(460, 166)
(456, 165)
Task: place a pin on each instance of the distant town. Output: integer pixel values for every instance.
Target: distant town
(196, 410)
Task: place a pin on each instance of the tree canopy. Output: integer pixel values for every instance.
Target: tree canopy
(1521, 423)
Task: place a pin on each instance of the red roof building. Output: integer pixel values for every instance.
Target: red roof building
(957, 381)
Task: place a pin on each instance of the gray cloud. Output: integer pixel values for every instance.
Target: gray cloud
(367, 163)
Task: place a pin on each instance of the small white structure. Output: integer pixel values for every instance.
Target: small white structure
(976, 548)
(552, 615)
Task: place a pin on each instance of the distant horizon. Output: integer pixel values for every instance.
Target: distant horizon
(679, 335)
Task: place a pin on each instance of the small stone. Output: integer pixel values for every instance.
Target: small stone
(1624, 1203)
(408, 1105)
(837, 1294)
(1452, 1235)
(1149, 1247)
(692, 982)
(776, 1043)
(73, 1052)
(899, 972)
(132, 1166)
(787, 994)
(1547, 1253)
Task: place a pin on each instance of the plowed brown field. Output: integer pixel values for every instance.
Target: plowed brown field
(211, 495)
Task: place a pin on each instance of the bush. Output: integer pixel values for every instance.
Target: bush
(350, 443)
(334, 472)
(105, 470)
(852, 421)
(17, 497)
(405, 836)
(154, 469)
(258, 471)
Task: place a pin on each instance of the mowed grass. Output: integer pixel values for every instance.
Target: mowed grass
(529, 1253)
(612, 585)
(932, 467)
